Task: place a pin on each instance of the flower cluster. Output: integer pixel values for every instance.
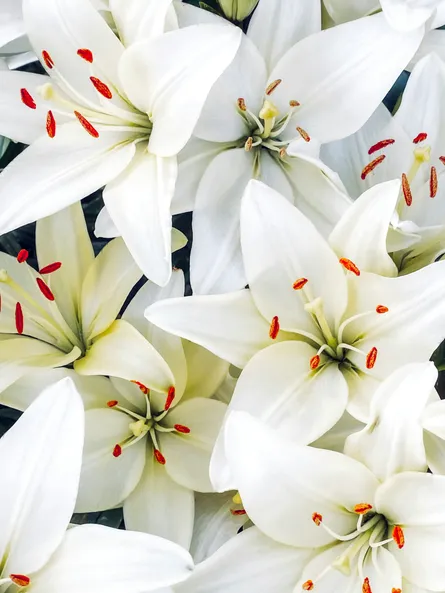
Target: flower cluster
(265, 410)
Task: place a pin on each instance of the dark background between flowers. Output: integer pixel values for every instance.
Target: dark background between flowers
(24, 238)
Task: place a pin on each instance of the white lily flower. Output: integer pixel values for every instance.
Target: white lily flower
(144, 451)
(408, 146)
(303, 87)
(113, 118)
(324, 522)
(403, 15)
(406, 426)
(314, 333)
(40, 457)
(68, 309)
(14, 44)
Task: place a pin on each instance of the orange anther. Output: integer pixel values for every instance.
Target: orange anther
(303, 134)
(86, 54)
(159, 457)
(101, 88)
(371, 357)
(274, 328)
(27, 99)
(308, 585)
(317, 518)
(242, 104)
(237, 513)
(398, 536)
(381, 309)
(86, 125)
(20, 579)
(273, 85)
(380, 145)
(182, 428)
(406, 190)
(366, 587)
(22, 256)
(170, 397)
(433, 182)
(49, 62)
(112, 403)
(19, 321)
(362, 508)
(300, 283)
(50, 124)
(294, 103)
(314, 362)
(350, 266)
(142, 387)
(394, 590)
(371, 166)
(45, 289)
(420, 138)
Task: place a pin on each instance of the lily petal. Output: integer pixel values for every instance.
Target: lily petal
(40, 458)
(73, 158)
(173, 92)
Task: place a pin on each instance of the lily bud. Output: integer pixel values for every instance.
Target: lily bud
(237, 10)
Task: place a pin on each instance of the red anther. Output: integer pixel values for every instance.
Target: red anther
(380, 145)
(86, 125)
(117, 451)
(406, 190)
(170, 397)
(349, 265)
(142, 387)
(274, 328)
(45, 289)
(317, 518)
(442, 159)
(314, 362)
(237, 513)
(366, 587)
(300, 283)
(362, 508)
(49, 62)
(371, 357)
(27, 99)
(50, 124)
(182, 428)
(398, 536)
(273, 85)
(86, 54)
(159, 457)
(381, 309)
(308, 585)
(20, 579)
(112, 403)
(101, 88)
(50, 268)
(19, 322)
(420, 138)
(372, 165)
(304, 134)
(22, 256)
(433, 182)
(241, 104)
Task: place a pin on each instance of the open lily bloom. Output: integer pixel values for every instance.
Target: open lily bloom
(40, 457)
(53, 317)
(406, 426)
(408, 146)
(106, 116)
(144, 450)
(303, 87)
(404, 15)
(324, 522)
(316, 334)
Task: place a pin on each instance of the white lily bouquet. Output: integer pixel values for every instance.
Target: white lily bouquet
(222, 296)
